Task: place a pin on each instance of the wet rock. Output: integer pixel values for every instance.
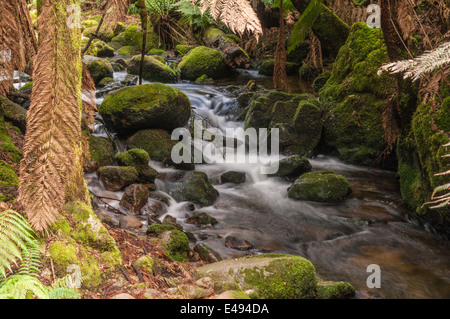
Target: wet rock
(294, 165)
(154, 70)
(206, 253)
(134, 198)
(232, 177)
(128, 222)
(194, 187)
(149, 106)
(237, 243)
(139, 159)
(323, 186)
(115, 178)
(202, 219)
(105, 217)
(154, 208)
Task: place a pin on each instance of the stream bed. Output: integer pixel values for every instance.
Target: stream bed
(340, 239)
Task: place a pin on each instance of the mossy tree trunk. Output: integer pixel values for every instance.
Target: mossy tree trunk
(144, 22)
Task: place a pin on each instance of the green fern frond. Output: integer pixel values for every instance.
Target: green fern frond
(20, 287)
(15, 233)
(63, 293)
(31, 260)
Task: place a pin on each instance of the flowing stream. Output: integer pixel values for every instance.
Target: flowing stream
(340, 239)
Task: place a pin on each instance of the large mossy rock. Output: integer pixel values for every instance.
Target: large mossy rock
(355, 97)
(297, 116)
(421, 156)
(98, 48)
(202, 60)
(153, 70)
(115, 178)
(175, 244)
(139, 159)
(323, 186)
(128, 110)
(194, 187)
(157, 143)
(101, 151)
(99, 69)
(234, 56)
(272, 276)
(292, 166)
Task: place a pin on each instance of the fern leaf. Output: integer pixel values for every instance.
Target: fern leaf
(31, 260)
(63, 293)
(15, 233)
(19, 287)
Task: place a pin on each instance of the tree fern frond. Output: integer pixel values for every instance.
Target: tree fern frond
(237, 15)
(419, 66)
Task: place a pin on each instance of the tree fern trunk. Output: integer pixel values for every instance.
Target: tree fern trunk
(144, 22)
(279, 72)
(53, 136)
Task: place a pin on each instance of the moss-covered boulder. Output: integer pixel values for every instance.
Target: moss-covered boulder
(420, 155)
(8, 151)
(132, 36)
(323, 186)
(294, 165)
(13, 113)
(145, 263)
(157, 229)
(355, 97)
(128, 110)
(175, 244)
(115, 178)
(127, 50)
(202, 60)
(232, 177)
(272, 276)
(101, 151)
(153, 70)
(98, 48)
(157, 143)
(206, 253)
(194, 187)
(267, 66)
(99, 69)
(334, 290)
(139, 159)
(297, 116)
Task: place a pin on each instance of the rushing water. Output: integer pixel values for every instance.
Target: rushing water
(340, 239)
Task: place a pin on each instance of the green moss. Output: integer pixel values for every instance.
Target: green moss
(101, 151)
(157, 229)
(176, 245)
(133, 157)
(202, 60)
(8, 176)
(157, 143)
(182, 49)
(132, 37)
(319, 187)
(156, 52)
(153, 70)
(27, 87)
(283, 278)
(146, 263)
(99, 69)
(6, 145)
(127, 50)
(204, 79)
(63, 255)
(267, 66)
(334, 290)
